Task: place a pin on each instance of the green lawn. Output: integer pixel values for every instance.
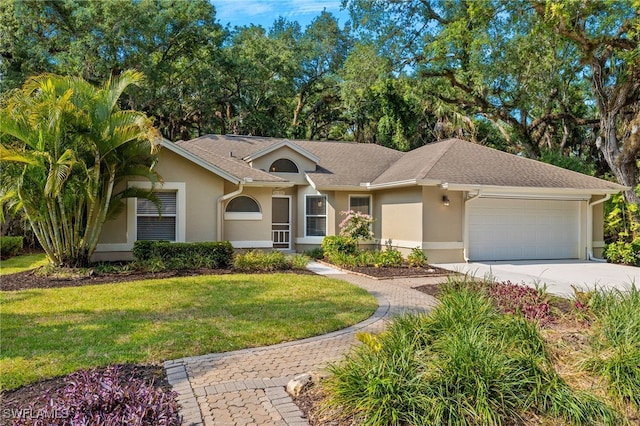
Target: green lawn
(22, 263)
(50, 332)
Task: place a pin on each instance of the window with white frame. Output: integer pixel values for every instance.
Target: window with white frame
(154, 224)
(283, 165)
(360, 203)
(243, 208)
(315, 215)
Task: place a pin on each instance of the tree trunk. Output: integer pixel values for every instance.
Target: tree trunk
(622, 162)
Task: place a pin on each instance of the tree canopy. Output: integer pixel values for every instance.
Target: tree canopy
(557, 81)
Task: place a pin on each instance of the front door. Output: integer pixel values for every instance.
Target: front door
(281, 222)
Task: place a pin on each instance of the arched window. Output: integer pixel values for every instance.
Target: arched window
(243, 208)
(283, 165)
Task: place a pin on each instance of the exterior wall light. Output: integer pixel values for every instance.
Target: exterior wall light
(445, 200)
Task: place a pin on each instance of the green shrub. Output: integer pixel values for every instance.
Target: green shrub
(144, 250)
(336, 244)
(366, 257)
(417, 258)
(184, 255)
(257, 260)
(624, 252)
(390, 258)
(343, 259)
(465, 363)
(361, 258)
(315, 253)
(10, 246)
(298, 261)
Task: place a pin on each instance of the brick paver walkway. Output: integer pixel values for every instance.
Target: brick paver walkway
(247, 387)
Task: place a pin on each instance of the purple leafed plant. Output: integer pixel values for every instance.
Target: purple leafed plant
(104, 397)
(516, 298)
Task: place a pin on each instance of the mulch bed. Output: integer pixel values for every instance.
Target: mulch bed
(34, 279)
(21, 399)
(404, 271)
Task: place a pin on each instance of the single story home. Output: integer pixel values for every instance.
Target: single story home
(456, 200)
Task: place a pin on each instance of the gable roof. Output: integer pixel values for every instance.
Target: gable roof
(339, 164)
(233, 169)
(284, 143)
(463, 163)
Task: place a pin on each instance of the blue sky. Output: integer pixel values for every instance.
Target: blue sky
(264, 12)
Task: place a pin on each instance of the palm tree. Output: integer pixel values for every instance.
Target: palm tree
(74, 146)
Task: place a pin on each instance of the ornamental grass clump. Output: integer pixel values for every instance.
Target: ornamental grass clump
(268, 261)
(256, 260)
(615, 343)
(465, 363)
(106, 398)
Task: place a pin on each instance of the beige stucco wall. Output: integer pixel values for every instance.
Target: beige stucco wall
(250, 230)
(598, 227)
(400, 216)
(443, 225)
(202, 191)
(302, 162)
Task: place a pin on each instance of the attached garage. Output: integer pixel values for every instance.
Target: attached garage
(523, 229)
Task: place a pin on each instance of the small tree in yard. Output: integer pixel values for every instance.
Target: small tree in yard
(66, 145)
(356, 225)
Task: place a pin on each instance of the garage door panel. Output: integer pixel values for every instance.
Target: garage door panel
(511, 229)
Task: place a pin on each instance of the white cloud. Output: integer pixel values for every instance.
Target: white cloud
(264, 12)
(313, 6)
(228, 10)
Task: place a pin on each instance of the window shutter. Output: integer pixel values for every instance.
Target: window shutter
(150, 225)
(167, 199)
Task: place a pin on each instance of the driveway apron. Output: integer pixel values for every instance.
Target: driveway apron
(247, 387)
(560, 277)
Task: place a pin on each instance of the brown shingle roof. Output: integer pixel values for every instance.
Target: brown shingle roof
(347, 163)
(459, 162)
(341, 163)
(208, 149)
(344, 164)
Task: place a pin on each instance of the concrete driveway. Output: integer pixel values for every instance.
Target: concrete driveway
(558, 275)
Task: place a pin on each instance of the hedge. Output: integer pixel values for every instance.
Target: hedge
(185, 255)
(10, 246)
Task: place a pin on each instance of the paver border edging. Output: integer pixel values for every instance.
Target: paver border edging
(179, 380)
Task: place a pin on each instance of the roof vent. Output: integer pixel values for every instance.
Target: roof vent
(230, 154)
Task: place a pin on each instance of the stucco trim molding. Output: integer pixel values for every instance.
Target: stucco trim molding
(400, 243)
(425, 245)
(309, 240)
(242, 216)
(113, 247)
(443, 245)
(252, 244)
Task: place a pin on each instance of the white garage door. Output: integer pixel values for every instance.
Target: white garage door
(512, 229)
